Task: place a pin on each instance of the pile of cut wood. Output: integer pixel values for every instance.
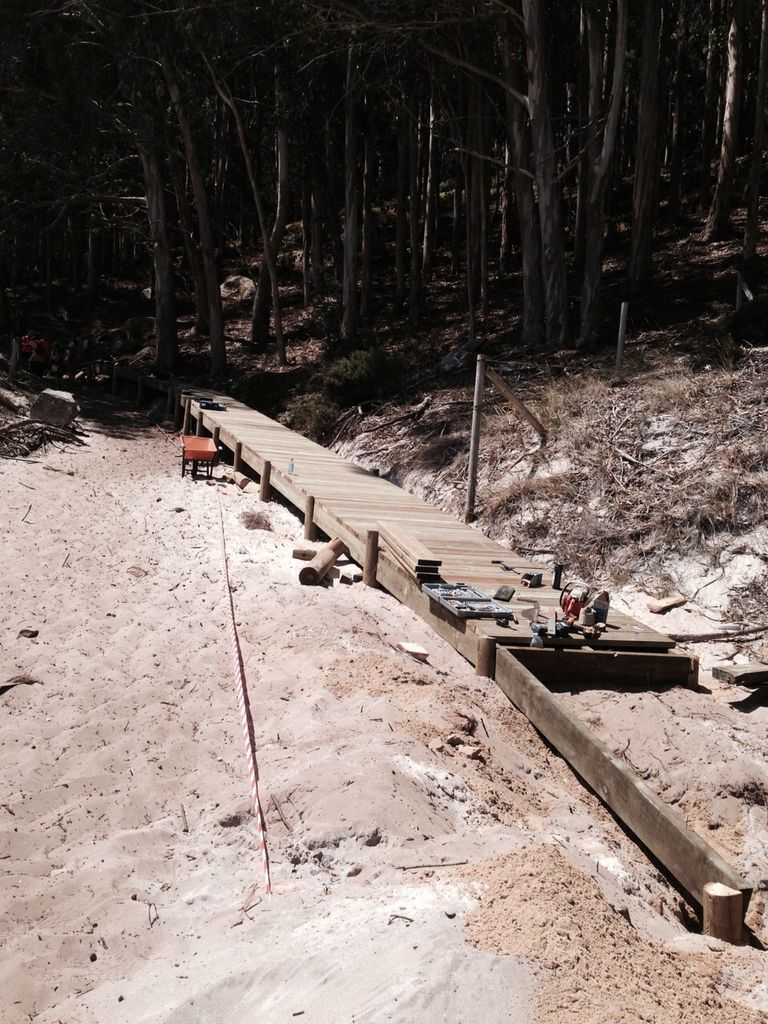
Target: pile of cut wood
(413, 556)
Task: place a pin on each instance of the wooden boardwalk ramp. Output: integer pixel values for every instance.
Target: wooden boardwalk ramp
(412, 541)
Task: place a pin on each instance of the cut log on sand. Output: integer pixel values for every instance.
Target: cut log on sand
(313, 573)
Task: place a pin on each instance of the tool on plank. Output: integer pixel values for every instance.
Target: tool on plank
(504, 566)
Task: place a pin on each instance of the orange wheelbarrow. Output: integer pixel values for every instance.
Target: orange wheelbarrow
(199, 451)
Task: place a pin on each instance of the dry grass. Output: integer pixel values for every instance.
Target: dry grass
(525, 490)
(255, 519)
(659, 465)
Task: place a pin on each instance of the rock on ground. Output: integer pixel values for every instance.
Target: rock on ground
(57, 408)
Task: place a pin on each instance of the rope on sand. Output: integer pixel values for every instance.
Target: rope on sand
(245, 711)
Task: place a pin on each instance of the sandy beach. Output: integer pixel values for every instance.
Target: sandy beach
(432, 860)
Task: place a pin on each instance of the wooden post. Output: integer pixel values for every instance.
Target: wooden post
(178, 417)
(622, 335)
(199, 424)
(216, 434)
(139, 391)
(723, 912)
(310, 530)
(371, 559)
(187, 414)
(264, 488)
(115, 380)
(485, 658)
(238, 460)
(474, 444)
(314, 572)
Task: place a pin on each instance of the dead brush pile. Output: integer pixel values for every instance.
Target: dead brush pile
(20, 439)
(668, 463)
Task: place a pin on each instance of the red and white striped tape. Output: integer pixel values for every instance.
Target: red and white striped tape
(245, 712)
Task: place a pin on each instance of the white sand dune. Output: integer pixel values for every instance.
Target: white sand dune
(128, 726)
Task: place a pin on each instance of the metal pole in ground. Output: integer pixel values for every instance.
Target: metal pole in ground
(474, 443)
(622, 335)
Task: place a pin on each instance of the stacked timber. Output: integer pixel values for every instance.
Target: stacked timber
(410, 554)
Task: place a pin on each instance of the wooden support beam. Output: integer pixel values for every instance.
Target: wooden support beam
(265, 489)
(216, 435)
(578, 668)
(310, 526)
(753, 674)
(371, 558)
(318, 568)
(238, 458)
(485, 659)
(199, 424)
(522, 411)
(187, 414)
(723, 913)
(684, 854)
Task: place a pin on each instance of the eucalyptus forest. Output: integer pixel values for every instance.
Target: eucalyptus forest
(495, 147)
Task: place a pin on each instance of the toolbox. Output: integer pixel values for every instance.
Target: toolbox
(465, 602)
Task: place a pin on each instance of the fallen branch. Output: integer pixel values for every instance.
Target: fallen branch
(419, 409)
(721, 635)
(522, 411)
(636, 462)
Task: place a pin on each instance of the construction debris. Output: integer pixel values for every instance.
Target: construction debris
(415, 650)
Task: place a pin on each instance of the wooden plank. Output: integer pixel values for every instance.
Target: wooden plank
(683, 853)
(411, 551)
(753, 674)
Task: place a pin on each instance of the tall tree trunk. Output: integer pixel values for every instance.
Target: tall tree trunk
(351, 203)
(719, 213)
(207, 248)
(432, 191)
(755, 167)
(710, 106)
(678, 112)
(166, 355)
(599, 168)
(530, 234)
(369, 184)
(647, 166)
(226, 94)
(481, 184)
(191, 248)
(317, 241)
(414, 221)
(585, 130)
(456, 219)
(400, 213)
(306, 238)
(550, 221)
(263, 299)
